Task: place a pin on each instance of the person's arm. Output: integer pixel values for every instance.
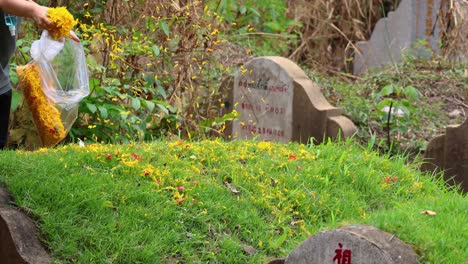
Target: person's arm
(31, 10)
(27, 9)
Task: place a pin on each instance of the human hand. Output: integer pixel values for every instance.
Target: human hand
(39, 15)
(74, 37)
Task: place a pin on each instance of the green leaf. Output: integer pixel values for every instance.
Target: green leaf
(161, 90)
(243, 10)
(15, 100)
(255, 11)
(156, 50)
(92, 108)
(103, 111)
(384, 103)
(93, 83)
(273, 26)
(165, 28)
(136, 104)
(404, 109)
(387, 90)
(150, 105)
(163, 108)
(412, 93)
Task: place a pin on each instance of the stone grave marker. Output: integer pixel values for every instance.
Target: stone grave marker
(278, 102)
(352, 244)
(449, 152)
(19, 238)
(413, 20)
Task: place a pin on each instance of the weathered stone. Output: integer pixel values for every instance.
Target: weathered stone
(414, 20)
(455, 113)
(449, 152)
(353, 244)
(278, 102)
(18, 236)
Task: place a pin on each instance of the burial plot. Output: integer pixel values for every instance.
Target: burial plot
(414, 20)
(352, 244)
(449, 152)
(278, 102)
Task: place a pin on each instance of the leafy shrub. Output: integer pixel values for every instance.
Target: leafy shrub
(155, 68)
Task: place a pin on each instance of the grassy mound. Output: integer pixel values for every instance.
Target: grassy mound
(209, 201)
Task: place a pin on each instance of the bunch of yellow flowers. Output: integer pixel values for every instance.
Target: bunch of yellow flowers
(45, 114)
(62, 22)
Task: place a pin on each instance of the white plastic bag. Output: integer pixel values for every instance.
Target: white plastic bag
(63, 68)
(64, 82)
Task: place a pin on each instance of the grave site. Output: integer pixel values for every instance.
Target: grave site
(239, 132)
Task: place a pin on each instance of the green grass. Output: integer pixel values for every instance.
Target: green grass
(126, 204)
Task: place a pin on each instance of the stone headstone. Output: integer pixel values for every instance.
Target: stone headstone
(19, 241)
(352, 244)
(413, 20)
(449, 153)
(278, 102)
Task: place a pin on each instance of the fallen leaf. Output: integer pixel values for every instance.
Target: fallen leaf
(428, 212)
(232, 188)
(294, 223)
(274, 181)
(250, 250)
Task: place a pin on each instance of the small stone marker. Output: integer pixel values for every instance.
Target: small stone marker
(412, 21)
(449, 152)
(359, 244)
(278, 102)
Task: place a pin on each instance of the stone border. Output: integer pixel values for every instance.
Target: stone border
(19, 241)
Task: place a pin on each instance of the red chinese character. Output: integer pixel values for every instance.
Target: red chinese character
(343, 257)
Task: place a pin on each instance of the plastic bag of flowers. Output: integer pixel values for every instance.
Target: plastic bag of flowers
(54, 83)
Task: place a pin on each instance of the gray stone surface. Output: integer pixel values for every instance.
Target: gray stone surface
(449, 152)
(18, 236)
(278, 102)
(413, 20)
(353, 244)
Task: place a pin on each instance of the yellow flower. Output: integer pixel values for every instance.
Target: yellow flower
(45, 115)
(62, 22)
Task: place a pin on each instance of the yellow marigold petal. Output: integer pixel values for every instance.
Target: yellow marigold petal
(62, 22)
